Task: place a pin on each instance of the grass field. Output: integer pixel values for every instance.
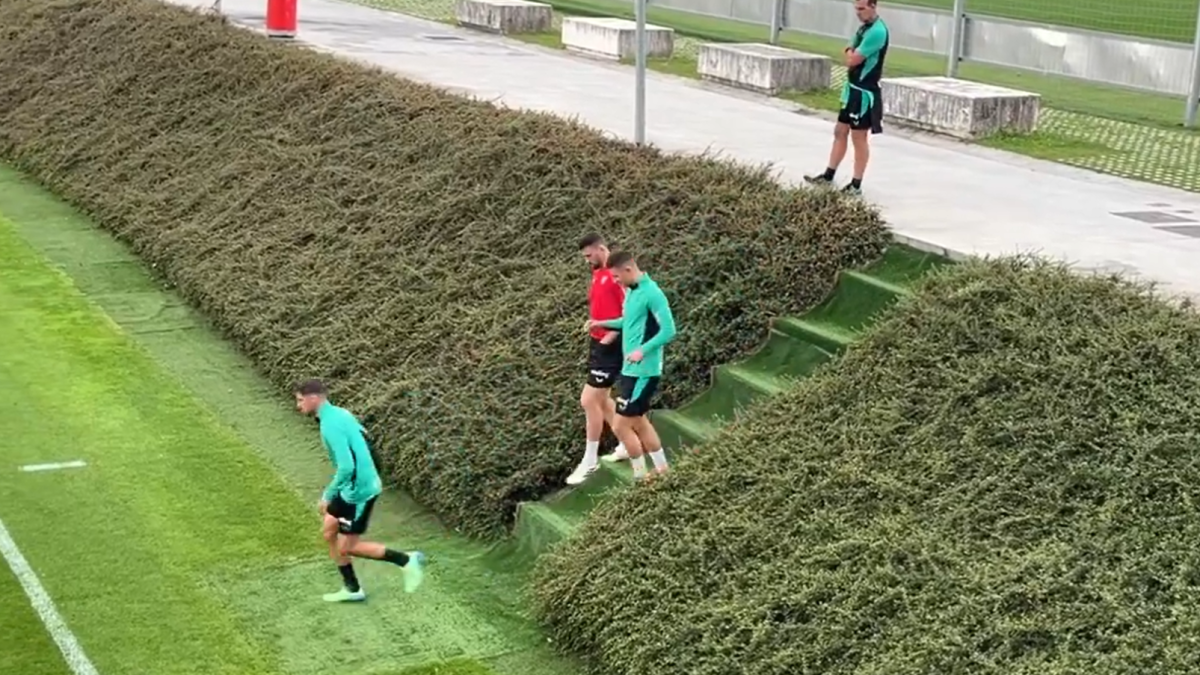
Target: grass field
(1158, 19)
(188, 542)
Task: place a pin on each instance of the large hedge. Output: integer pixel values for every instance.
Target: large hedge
(415, 247)
(1002, 478)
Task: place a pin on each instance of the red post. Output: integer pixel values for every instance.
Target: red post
(281, 18)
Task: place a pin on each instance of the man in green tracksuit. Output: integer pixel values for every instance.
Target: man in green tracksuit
(862, 97)
(646, 326)
(346, 504)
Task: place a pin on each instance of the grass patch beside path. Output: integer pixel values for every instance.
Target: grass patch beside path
(1122, 132)
(188, 545)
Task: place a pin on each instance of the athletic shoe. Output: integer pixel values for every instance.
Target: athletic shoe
(345, 595)
(818, 180)
(618, 455)
(414, 571)
(852, 191)
(581, 473)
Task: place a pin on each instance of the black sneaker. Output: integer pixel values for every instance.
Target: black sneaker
(818, 180)
(852, 190)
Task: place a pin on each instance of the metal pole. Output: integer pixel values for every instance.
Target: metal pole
(956, 37)
(776, 20)
(1193, 102)
(639, 96)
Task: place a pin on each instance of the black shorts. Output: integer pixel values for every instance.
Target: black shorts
(351, 520)
(861, 115)
(604, 363)
(635, 394)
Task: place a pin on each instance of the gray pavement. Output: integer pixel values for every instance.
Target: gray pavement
(961, 198)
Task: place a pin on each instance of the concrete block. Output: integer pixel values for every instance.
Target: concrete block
(504, 16)
(959, 108)
(615, 38)
(763, 68)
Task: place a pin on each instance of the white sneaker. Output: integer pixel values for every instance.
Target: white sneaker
(581, 473)
(618, 455)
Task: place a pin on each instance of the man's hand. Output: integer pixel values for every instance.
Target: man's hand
(609, 337)
(635, 357)
(589, 325)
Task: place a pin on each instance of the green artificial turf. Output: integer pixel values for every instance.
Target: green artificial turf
(189, 543)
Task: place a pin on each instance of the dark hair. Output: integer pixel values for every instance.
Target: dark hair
(620, 259)
(310, 388)
(591, 239)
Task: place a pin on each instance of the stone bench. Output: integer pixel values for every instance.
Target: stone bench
(615, 38)
(763, 68)
(506, 17)
(959, 108)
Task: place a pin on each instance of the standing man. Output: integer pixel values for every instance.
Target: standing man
(862, 98)
(605, 297)
(646, 327)
(347, 502)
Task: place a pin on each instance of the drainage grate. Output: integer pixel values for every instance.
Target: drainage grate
(1154, 217)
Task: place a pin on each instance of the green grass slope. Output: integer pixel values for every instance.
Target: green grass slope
(1000, 478)
(414, 247)
(796, 347)
(189, 543)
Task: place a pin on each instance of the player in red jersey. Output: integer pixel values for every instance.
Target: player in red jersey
(605, 298)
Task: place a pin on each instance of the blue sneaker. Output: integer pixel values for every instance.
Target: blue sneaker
(414, 571)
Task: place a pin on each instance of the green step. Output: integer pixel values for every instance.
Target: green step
(678, 430)
(786, 355)
(539, 527)
(904, 266)
(829, 337)
(856, 300)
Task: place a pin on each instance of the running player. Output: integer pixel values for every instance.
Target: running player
(646, 326)
(605, 297)
(347, 502)
(862, 97)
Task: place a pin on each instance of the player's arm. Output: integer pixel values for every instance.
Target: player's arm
(614, 324)
(617, 293)
(343, 462)
(872, 42)
(660, 309)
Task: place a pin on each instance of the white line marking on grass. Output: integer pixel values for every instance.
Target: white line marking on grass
(44, 606)
(75, 464)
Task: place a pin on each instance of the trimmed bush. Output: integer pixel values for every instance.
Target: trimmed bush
(415, 247)
(1002, 478)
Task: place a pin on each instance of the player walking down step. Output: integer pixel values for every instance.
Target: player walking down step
(347, 502)
(605, 297)
(646, 327)
(862, 98)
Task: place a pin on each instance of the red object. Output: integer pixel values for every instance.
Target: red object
(606, 299)
(281, 18)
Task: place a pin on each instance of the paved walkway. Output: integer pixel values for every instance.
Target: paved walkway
(962, 198)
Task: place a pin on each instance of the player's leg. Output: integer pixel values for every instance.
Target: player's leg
(592, 401)
(633, 405)
(837, 152)
(862, 155)
(652, 445)
(339, 517)
(351, 543)
(610, 416)
(625, 421)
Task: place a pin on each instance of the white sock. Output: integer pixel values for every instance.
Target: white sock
(620, 450)
(591, 455)
(639, 466)
(659, 459)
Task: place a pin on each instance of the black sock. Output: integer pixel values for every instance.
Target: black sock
(395, 557)
(856, 182)
(349, 577)
(829, 174)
